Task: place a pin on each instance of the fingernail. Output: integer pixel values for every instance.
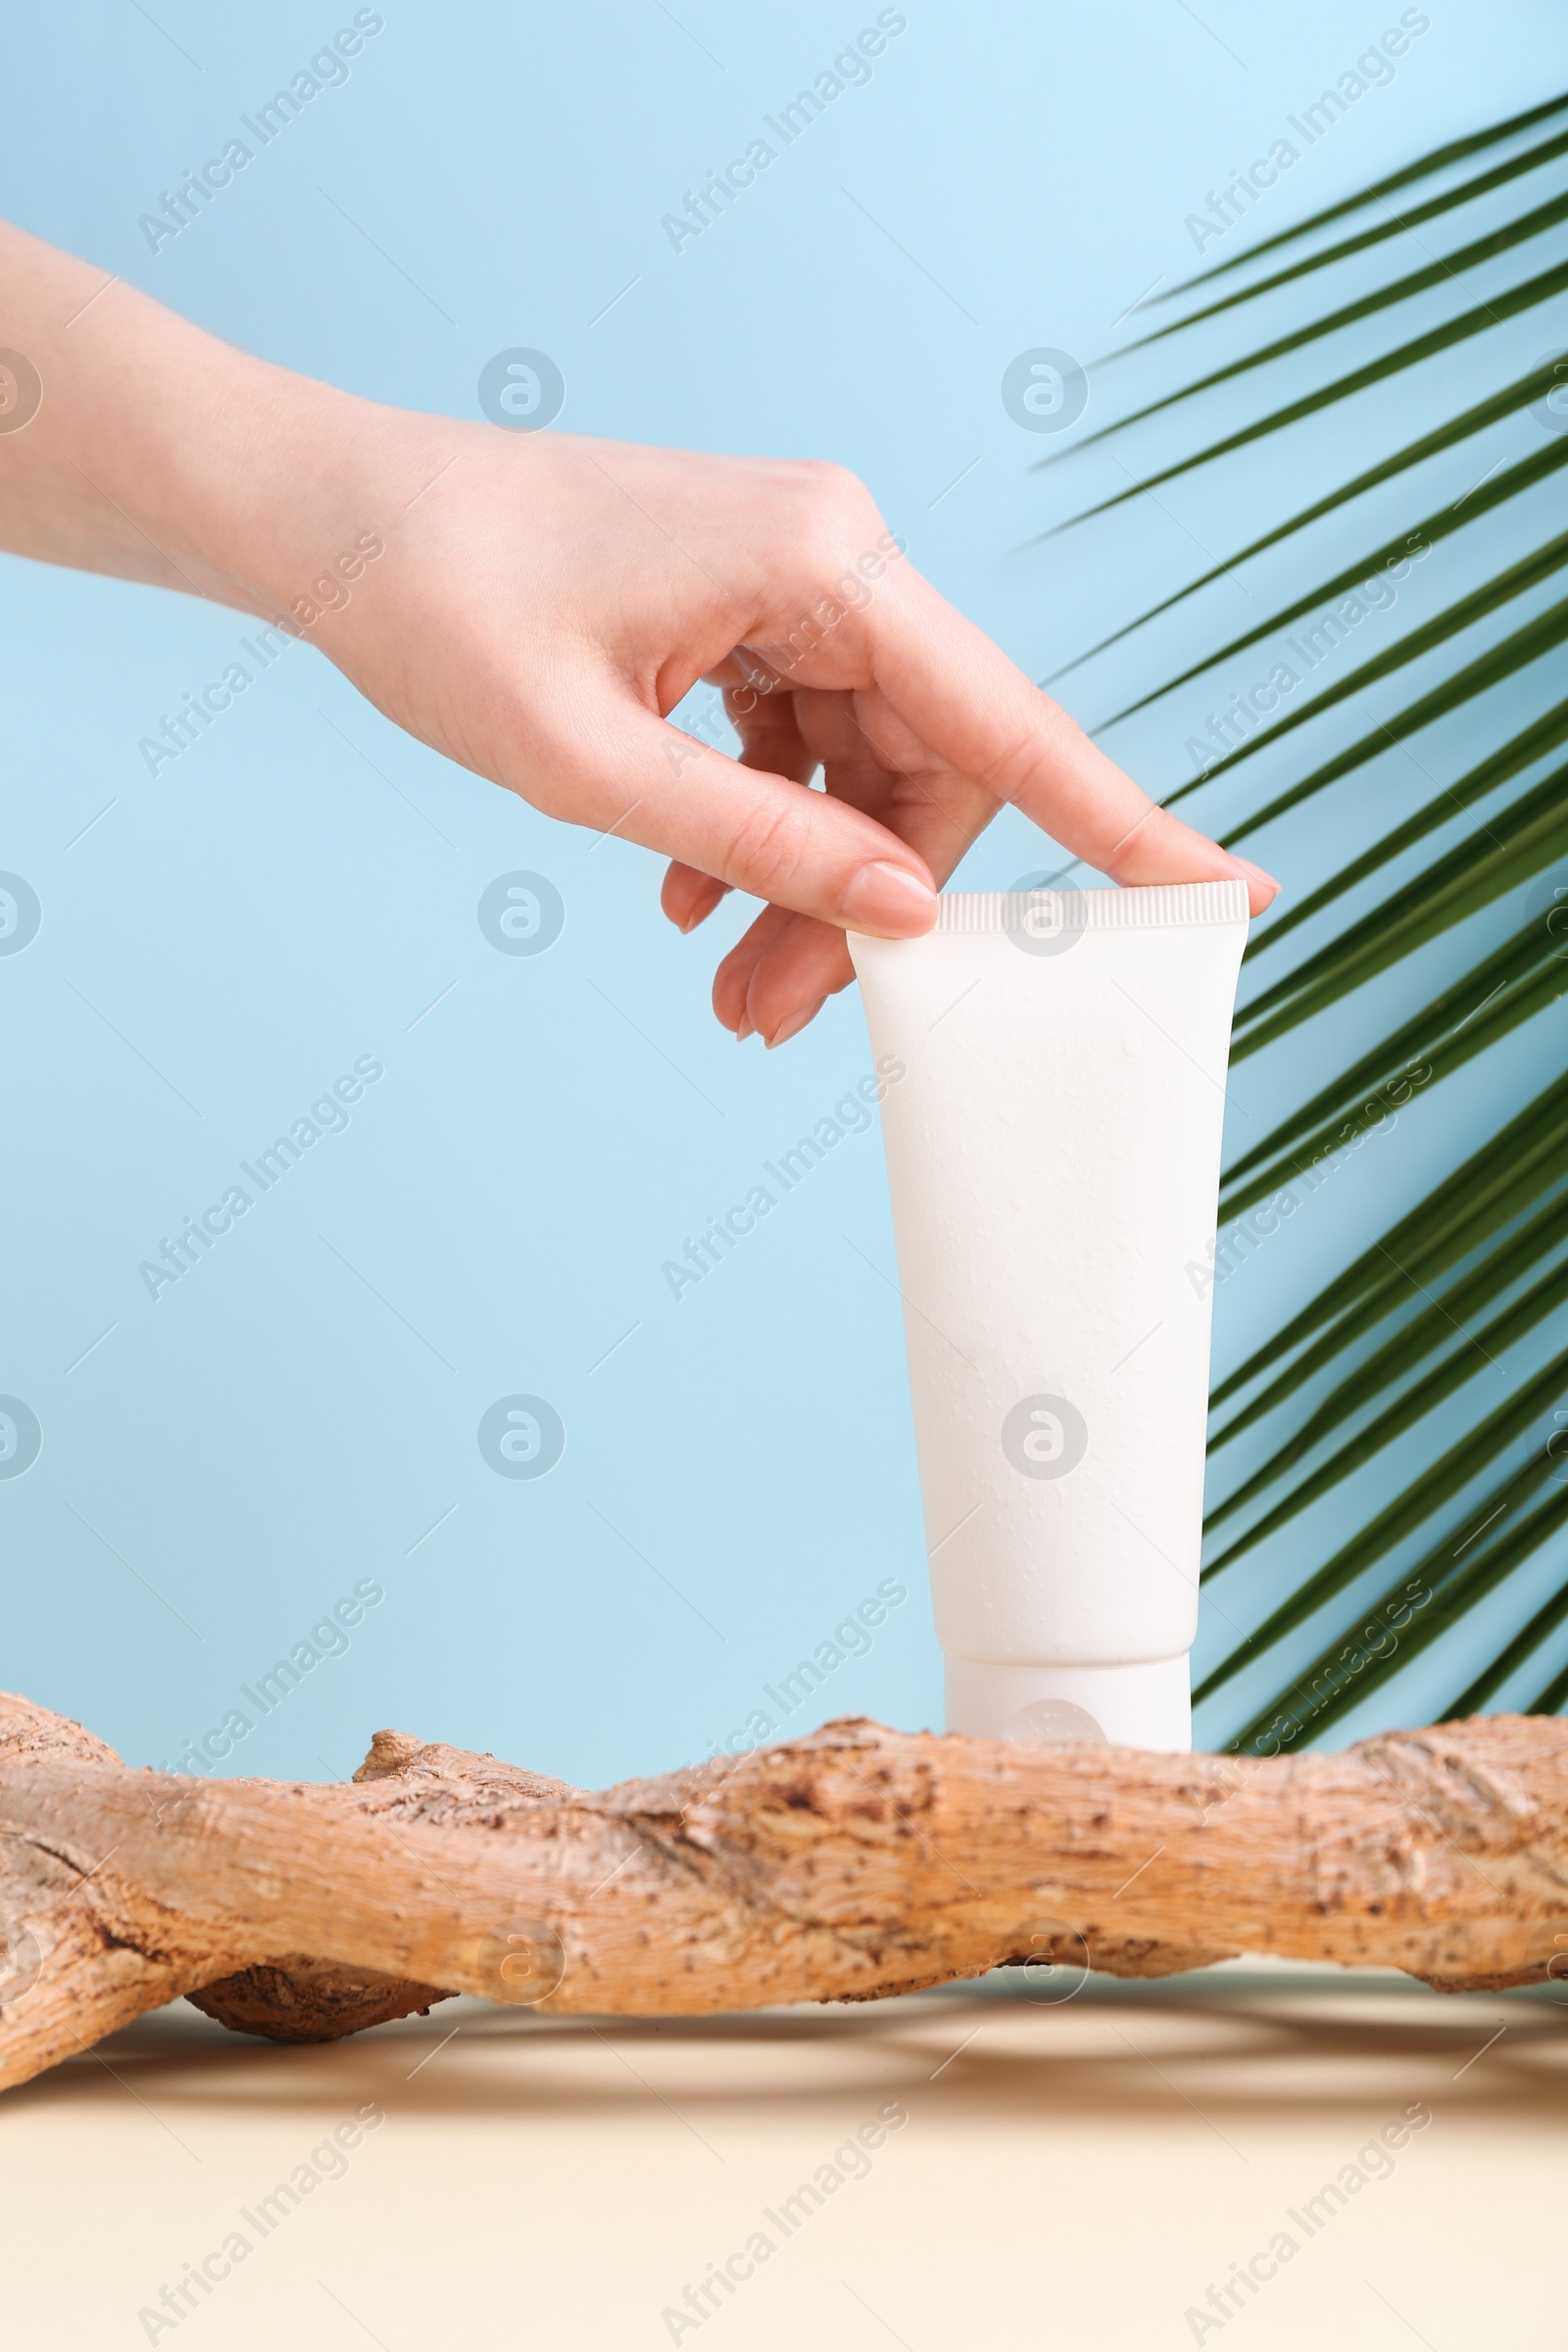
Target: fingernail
(1269, 881)
(704, 905)
(746, 1029)
(889, 902)
(795, 1024)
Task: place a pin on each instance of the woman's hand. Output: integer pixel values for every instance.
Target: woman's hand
(538, 603)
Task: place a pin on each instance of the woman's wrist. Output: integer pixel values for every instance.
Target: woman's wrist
(159, 452)
(287, 494)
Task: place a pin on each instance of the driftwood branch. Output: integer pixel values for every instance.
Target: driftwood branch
(850, 1864)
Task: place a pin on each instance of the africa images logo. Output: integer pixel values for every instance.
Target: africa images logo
(20, 1437)
(521, 913)
(522, 1437)
(1044, 1437)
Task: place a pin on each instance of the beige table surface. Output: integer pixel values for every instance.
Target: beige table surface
(1072, 2174)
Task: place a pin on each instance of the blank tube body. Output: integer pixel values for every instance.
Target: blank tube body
(1054, 1165)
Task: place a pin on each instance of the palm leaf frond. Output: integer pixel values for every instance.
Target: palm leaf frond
(1438, 158)
(1500, 1182)
(1428, 533)
(1401, 223)
(1521, 751)
(1417, 1369)
(1511, 302)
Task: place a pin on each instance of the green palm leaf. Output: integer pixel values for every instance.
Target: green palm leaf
(1549, 1701)
(1545, 630)
(1403, 1518)
(1498, 1183)
(1502, 660)
(1471, 1272)
(1400, 1623)
(1448, 1318)
(1428, 533)
(1520, 980)
(1397, 225)
(1511, 303)
(1512, 845)
(1495, 409)
(1546, 1621)
(1504, 1331)
(1457, 151)
(1530, 744)
(1534, 223)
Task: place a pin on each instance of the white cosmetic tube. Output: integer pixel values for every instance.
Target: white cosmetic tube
(1054, 1163)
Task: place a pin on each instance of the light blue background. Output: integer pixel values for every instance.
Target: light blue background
(220, 944)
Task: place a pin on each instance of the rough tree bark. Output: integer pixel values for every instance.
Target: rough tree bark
(850, 1864)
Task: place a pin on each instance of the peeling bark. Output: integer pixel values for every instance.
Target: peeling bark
(847, 1865)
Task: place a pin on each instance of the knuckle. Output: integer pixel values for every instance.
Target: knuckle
(766, 848)
(1020, 771)
(827, 501)
(1015, 773)
(826, 477)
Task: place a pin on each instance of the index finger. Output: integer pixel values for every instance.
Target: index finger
(963, 696)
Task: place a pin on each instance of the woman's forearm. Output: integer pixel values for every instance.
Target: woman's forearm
(156, 452)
